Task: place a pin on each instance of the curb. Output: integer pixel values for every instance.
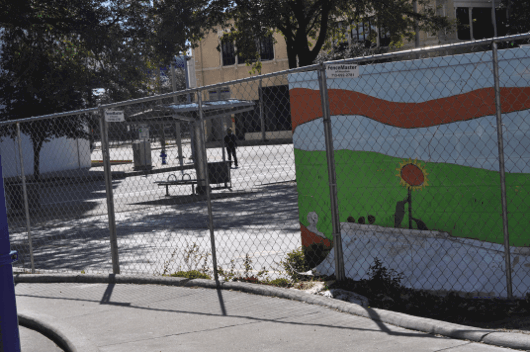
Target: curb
(63, 335)
(432, 326)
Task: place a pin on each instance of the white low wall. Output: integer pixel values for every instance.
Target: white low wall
(269, 135)
(431, 259)
(57, 155)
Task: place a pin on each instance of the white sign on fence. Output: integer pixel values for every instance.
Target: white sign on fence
(114, 116)
(342, 71)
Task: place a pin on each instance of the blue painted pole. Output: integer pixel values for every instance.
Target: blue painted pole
(9, 335)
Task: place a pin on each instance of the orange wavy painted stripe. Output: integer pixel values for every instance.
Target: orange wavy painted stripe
(306, 106)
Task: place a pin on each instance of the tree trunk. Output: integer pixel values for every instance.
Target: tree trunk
(306, 58)
(291, 55)
(37, 146)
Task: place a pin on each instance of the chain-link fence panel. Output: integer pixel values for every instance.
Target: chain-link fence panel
(161, 216)
(254, 198)
(417, 167)
(314, 169)
(397, 159)
(14, 193)
(56, 202)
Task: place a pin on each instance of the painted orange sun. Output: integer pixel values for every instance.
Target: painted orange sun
(412, 174)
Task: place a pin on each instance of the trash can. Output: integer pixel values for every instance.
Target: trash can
(219, 172)
(142, 155)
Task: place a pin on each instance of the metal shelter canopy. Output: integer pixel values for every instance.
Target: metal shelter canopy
(210, 109)
(190, 111)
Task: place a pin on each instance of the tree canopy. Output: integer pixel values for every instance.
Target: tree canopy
(518, 15)
(308, 24)
(55, 53)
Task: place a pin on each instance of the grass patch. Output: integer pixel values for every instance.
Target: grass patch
(192, 274)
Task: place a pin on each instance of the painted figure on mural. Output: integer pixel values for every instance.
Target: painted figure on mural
(231, 146)
(312, 218)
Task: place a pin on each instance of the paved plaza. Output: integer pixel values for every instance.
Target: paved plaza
(257, 216)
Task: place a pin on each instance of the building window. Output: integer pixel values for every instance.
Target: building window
(482, 23)
(464, 29)
(219, 94)
(502, 25)
(264, 46)
(366, 32)
(384, 37)
(477, 22)
(228, 52)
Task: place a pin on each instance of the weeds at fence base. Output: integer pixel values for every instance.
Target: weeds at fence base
(192, 274)
(384, 290)
(303, 259)
(195, 262)
(248, 275)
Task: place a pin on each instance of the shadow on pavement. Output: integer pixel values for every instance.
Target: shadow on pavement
(147, 235)
(128, 305)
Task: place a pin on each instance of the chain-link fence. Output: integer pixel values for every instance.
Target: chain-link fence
(399, 157)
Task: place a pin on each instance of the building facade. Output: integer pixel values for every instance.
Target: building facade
(217, 61)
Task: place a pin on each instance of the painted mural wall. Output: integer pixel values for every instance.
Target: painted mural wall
(416, 149)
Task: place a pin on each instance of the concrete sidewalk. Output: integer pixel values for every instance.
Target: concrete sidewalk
(128, 317)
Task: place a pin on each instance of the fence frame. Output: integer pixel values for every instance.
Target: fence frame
(320, 69)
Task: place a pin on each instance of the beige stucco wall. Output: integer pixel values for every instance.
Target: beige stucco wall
(209, 69)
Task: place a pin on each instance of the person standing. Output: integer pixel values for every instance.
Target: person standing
(231, 145)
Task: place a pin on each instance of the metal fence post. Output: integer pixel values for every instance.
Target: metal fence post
(330, 154)
(9, 334)
(261, 112)
(110, 197)
(500, 144)
(26, 203)
(202, 151)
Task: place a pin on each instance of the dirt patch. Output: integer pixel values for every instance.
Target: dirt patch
(491, 313)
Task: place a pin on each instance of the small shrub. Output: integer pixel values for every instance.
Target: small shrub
(315, 254)
(294, 264)
(383, 279)
(192, 274)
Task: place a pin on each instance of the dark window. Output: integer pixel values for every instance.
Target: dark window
(362, 32)
(242, 58)
(462, 16)
(384, 37)
(228, 52)
(266, 49)
(500, 16)
(482, 23)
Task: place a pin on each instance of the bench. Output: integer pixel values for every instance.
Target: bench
(218, 172)
(173, 181)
